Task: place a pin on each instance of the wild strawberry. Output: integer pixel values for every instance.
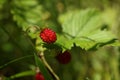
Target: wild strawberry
(64, 58)
(48, 35)
(39, 76)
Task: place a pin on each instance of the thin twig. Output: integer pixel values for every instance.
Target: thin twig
(42, 57)
(15, 60)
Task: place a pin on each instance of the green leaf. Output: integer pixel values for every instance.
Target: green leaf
(27, 13)
(76, 23)
(116, 43)
(23, 74)
(64, 42)
(84, 43)
(84, 28)
(42, 68)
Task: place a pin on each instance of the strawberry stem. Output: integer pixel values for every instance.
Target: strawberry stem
(48, 66)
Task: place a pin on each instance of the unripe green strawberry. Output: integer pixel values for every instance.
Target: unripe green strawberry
(39, 76)
(48, 35)
(64, 57)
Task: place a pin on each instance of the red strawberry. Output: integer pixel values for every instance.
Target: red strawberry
(64, 58)
(48, 35)
(39, 76)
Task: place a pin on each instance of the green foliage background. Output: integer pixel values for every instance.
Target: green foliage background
(90, 59)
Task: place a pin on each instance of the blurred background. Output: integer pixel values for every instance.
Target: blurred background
(17, 15)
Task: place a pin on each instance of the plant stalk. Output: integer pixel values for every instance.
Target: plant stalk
(42, 57)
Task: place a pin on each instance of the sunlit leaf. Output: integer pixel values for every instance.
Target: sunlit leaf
(84, 28)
